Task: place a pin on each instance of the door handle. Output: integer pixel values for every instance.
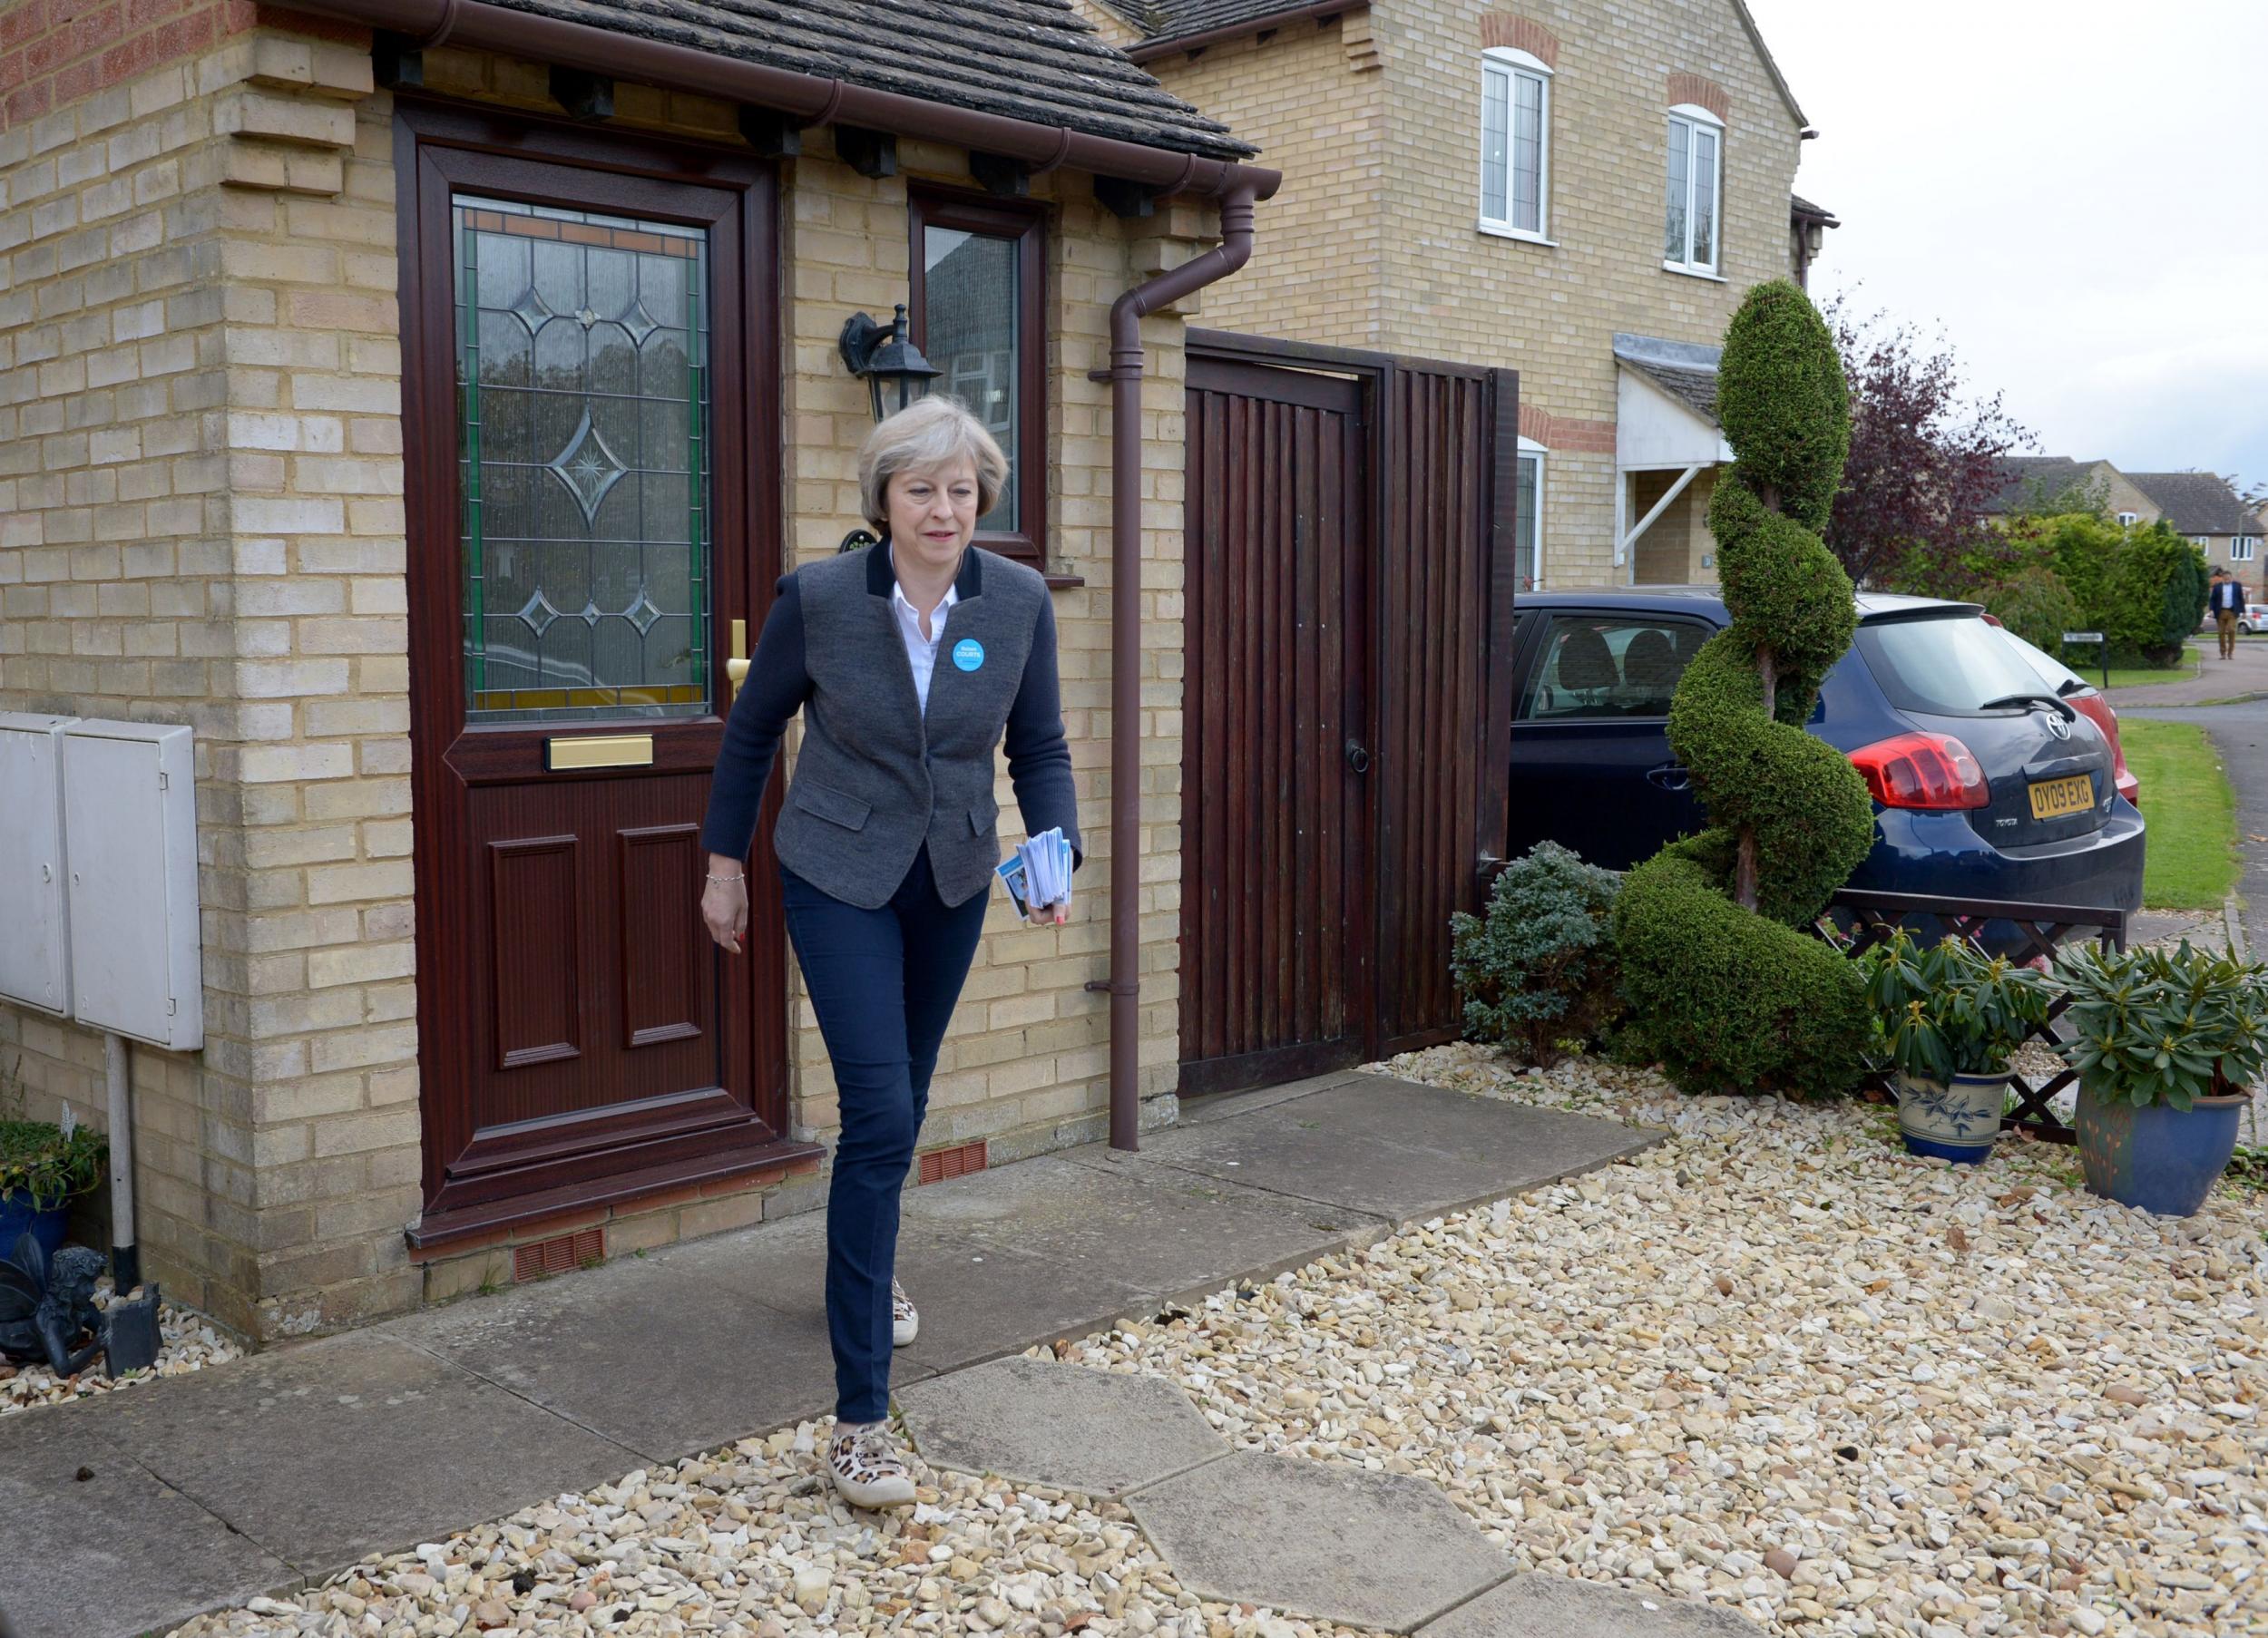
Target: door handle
(737, 668)
(1357, 757)
(1670, 776)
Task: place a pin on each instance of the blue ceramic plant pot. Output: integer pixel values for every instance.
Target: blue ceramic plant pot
(17, 1215)
(1951, 1121)
(2158, 1157)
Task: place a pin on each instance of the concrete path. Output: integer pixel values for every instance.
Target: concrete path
(2193, 683)
(130, 1513)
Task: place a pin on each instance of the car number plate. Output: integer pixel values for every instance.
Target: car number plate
(2053, 798)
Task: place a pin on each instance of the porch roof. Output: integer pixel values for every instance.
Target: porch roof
(1032, 60)
(1675, 424)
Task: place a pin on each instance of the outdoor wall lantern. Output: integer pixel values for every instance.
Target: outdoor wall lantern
(892, 367)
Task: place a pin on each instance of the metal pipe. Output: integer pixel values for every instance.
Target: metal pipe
(1126, 640)
(118, 1065)
(476, 25)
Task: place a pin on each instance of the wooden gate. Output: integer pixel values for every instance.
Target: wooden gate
(1349, 575)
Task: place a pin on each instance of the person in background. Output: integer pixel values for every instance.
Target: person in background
(2226, 599)
(910, 660)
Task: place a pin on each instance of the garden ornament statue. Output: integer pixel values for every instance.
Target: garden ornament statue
(47, 1303)
(1726, 982)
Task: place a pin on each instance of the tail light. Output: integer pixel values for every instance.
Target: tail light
(2097, 710)
(1922, 771)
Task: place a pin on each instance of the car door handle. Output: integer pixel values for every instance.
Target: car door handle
(1670, 776)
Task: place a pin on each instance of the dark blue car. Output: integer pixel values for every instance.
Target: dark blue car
(1992, 778)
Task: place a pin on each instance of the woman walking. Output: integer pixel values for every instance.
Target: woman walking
(910, 660)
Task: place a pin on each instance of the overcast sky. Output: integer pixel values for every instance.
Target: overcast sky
(2076, 190)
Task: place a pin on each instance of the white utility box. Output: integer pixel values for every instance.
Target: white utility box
(130, 819)
(35, 936)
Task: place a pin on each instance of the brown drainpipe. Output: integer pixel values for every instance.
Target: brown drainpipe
(475, 25)
(1126, 632)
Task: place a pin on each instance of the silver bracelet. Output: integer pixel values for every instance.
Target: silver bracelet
(738, 878)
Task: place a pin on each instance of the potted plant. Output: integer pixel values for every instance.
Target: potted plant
(2167, 1044)
(43, 1168)
(1950, 1016)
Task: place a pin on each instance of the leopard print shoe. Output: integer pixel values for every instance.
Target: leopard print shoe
(868, 1469)
(905, 1320)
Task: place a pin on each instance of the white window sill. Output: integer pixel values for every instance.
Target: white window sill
(1493, 231)
(1679, 267)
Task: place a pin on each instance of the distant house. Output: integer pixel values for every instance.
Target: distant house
(1576, 190)
(2201, 505)
(2029, 482)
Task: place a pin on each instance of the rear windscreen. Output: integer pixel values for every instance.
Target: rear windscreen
(1946, 668)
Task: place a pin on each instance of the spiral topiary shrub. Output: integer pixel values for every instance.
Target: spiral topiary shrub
(1725, 984)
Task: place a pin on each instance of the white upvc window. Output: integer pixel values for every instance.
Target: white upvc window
(1515, 144)
(2241, 550)
(1694, 224)
(1527, 515)
(2126, 519)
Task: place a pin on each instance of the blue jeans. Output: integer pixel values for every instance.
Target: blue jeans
(884, 984)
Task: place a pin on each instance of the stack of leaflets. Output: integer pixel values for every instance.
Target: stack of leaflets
(1039, 873)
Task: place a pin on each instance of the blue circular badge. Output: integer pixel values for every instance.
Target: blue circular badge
(968, 654)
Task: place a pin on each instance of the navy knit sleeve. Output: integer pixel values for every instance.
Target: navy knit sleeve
(779, 682)
(1038, 758)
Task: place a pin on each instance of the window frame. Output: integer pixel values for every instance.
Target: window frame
(1696, 119)
(1025, 225)
(1512, 65)
(2243, 547)
(1531, 546)
(2126, 519)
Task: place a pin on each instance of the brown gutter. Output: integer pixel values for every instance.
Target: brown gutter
(1149, 51)
(813, 101)
(1126, 635)
(472, 24)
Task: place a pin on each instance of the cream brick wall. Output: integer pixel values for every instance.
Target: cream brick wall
(1446, 290)
(201, 521)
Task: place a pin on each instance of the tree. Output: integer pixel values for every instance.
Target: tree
(1726, 986)
(1925, 459)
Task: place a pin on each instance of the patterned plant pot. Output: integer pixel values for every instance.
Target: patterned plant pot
(2160, 1158)
(1956, 1121)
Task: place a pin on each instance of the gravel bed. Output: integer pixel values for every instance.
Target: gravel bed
(1777, 1363)
(1773, 1363)
(187, 1342)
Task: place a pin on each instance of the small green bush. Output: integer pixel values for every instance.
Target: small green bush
(2036, 605)
(1539, 971)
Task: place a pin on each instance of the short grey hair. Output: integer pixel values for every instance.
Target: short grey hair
(932, 433)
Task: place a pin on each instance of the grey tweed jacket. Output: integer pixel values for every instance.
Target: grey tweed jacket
(875, 777)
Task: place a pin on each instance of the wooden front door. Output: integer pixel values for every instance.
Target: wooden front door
(592, 508)
(1346, 698)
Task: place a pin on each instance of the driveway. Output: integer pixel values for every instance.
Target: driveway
(2218, 679)
(2239, 734)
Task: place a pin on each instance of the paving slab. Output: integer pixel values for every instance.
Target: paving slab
(356, 1444)
(1392, 1149)
(645, 1353)
(1166, 1233)
(979, 1299)
(1559, 1607)
(1101, 1433)
(116, 1552)
(1318, 1539)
